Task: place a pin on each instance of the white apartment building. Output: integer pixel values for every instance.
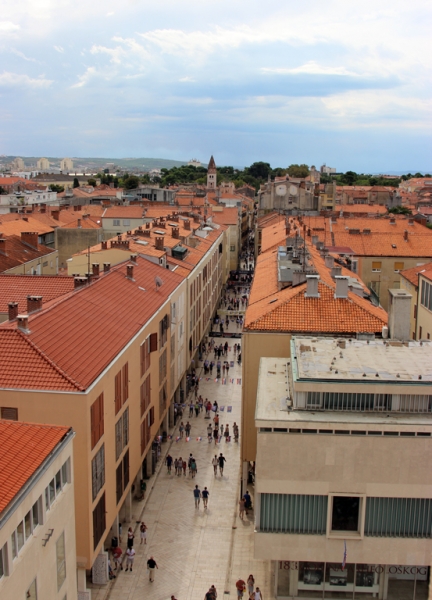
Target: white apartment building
(37, 517)
(343, 484)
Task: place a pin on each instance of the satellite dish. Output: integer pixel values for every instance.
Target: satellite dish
(158, 282)
(281, 190)
(293, 190)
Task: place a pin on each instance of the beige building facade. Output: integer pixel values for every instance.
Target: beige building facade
(342, 480)
(37, 529)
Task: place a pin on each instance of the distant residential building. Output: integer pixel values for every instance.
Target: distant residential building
(43, 164)
(23, 255)
(17, 164)
(288, 195)
(10, 203)
(37, 516)
(66, 164)
(327, 170)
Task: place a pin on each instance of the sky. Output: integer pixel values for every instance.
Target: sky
(343, 83)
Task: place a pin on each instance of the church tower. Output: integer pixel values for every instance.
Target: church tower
(211, 175)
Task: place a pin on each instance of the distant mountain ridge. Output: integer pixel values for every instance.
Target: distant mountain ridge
(128, 163)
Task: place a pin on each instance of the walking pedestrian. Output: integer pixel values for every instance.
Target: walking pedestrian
(221, 461)
(191, 409)
(215, 463)
(257, 594)
(169, 461)
(188, 429)
(197, 408)
(181, 429)
(131, 536)
(205, 495)
(241, 508)
(130, 556)
(227, 433)
(250, 585)
(184, 465)
(143, 533)
(179, 466)
(193, 468)
(216, 434)
(248, 501)
(197, 496)
(117, 554)
(151, 566)
(236, 432)
(209, 433)
(240, 587)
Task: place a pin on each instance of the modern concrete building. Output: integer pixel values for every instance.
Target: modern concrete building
(343, 483)
(37, 517)
(43, 164)
(66, 164)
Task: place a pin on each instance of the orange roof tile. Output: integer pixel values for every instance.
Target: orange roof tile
(18, 253)
(17, 225)
(25, 447)
(82, 332)
(16, 288)
(228, 216)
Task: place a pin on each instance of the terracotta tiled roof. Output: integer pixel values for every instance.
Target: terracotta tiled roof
(18, 253)
(25, 447)
(412, 274)
(17, 225)
(370, 209)
(10, 180)
(123, 212)
(84, 331)
(228, 216)
(16, 288)
(289, 310)
(84, 224)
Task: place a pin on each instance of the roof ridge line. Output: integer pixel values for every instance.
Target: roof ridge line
(50, 361)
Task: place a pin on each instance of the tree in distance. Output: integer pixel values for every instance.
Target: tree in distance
(298, 170)
(400, 210)
(56, 188)
(75, 182)
(349, 178)
(131, 182)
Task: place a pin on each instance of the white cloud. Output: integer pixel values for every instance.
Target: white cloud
(8, 27)
(23, 56)
(59, 49)
(85, 78)
(8, 79)
(310, 68)
(110, 14)
(187, 79)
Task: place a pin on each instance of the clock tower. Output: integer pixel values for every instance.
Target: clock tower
(211, 175)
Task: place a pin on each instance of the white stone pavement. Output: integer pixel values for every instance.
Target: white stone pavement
(194, 548)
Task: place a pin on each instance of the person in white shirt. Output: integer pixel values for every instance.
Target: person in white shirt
(130, 556)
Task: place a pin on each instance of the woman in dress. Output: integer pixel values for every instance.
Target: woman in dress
(250, 585)
(131, 536)
(143, 533)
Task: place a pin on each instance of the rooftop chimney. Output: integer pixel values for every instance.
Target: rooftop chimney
(410, 221)
(392, 221)
(159, 243)
(187, 224)
(13, 310)
(55, 214)
(107, 267)
(329, 261)
(104, 245)
(341, 286)
(298, 278)
(133, 259)
(336, 271)
(129, 272)
(147, 225)
(95, 269)
(79, 223)
(399, 315)
(79, 282)
(23, 323)
(312, 286)
(34, 303)
(406, 235)
(30, 238)
(3, 246)
(175, 232)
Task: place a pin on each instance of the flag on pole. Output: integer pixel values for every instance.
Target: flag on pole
(344, 556)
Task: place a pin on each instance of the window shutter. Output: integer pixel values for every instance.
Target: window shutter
(376, 265)
(126, 469)
(119, 482)
(125, 378)
(118, 392)
(11, 414)
(153, 342)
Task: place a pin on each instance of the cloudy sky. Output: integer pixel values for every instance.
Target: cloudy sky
(341, 82)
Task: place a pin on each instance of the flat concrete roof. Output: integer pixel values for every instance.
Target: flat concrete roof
(374, 361)
(273, 410)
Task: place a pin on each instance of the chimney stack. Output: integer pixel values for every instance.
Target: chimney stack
(12, 310)
(95, 269)
(79, 282)
(159, 243)
(314, 240)
(187, 224)
(312, 286)
(341, 286)
(133, 259)
(30, 238)
(104, 245)
(3, 246)
(23, 323)
(175, 232)
(55, 214)
(329, 261)
(34, 303)
(406, 235)
(129, 272)
(336, 271)
(399, 315)
(107, 267)
(79, 223)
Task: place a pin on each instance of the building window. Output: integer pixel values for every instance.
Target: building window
(426, 295)
(99, 521)
(11, 414)
(122, 433)
(398, 517)
(3, 561)
(97, 420)
(376, 267)
(145, 435)
(32, 591)
(345, 513)
(98, 471)
(163, 329)
(232, 248)
(61, 561)
(145, 394)
(121, 387)
(116, 222)
(126, 222)
(145, 356)
(398, 266)
(162, 398)
(293, 513)
(56, 485)
(122, 477)
(162, 366)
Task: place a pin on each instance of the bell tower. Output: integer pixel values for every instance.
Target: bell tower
(211, 175)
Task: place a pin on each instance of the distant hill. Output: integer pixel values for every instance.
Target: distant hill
(99, 163)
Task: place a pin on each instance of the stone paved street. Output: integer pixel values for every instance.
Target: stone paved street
(194, 548)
